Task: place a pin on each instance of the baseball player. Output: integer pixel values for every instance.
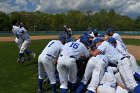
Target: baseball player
(118, 45)
(46, 62)
(26, 42)
(122, 63)
(111, 33)
(69, 34)
(66, 66)
(18, 34)
(95, 68)
(109, 82)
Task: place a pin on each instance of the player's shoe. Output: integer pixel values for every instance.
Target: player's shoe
(18, 60)
(28, 59)
(33, 54)
(40, 91)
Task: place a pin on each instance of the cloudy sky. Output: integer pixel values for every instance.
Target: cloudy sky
(124, 7)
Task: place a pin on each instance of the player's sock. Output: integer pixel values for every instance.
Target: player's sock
(63, 90)
(20, 55)
(89, 91)
(53, 87)
(27, 51)
(80, 88)
(137, 89)
(136, 76)
(40, 82)
(72, 87)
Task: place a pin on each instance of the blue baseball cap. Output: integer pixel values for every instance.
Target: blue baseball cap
(112, 40)
(96, 40)
(101, 35)
(84, 40)
(62, 37)
(109, 30)
(85, 33)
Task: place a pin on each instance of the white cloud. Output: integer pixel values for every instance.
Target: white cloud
(56, 6)
(21, 2)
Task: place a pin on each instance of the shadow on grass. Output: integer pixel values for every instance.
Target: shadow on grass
(26, 64)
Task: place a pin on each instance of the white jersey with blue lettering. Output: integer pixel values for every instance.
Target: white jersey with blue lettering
(53, 48)
(118, 37)
(112, 54)
(25, 33)
(121, 48)
(132, 59)
(17, 31)
(66, 66)
(123, 63)
(75, 49)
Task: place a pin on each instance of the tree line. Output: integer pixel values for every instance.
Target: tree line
(78, 21)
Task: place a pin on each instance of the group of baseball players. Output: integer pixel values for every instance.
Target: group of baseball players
(23, 41)
(93, 63)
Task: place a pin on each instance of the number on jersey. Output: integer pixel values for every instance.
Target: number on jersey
(50, 44)
(74, 45)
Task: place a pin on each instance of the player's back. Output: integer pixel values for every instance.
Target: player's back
(111, 53)
(52, 48)
(15, 29)
(25, 33)
(74, 49)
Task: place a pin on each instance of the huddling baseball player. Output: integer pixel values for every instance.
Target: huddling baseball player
(117, 58)
(115, 35)
(47, 60)
(110, 83)
(67, 67)
(95, 69)
(118, 45)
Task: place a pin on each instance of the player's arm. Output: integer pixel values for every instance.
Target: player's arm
(120, 84)
(95, 52)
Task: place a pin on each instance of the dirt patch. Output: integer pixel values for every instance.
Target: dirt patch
(134, 50)
(11, 38)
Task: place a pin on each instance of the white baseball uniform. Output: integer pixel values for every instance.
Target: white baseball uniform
(46, 60)
(108, 82)
(17, 32)
(119, 79)
(99, 60)
(66, 66)
(118, 37)
(123, 66)
(132, 59)
(95, 68)
(26, 40)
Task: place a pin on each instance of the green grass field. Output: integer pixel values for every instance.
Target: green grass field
(132, 41)
(20, 78)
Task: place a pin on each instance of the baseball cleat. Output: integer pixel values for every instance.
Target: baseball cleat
(18, 60)
(33, 55)
(40, 91)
